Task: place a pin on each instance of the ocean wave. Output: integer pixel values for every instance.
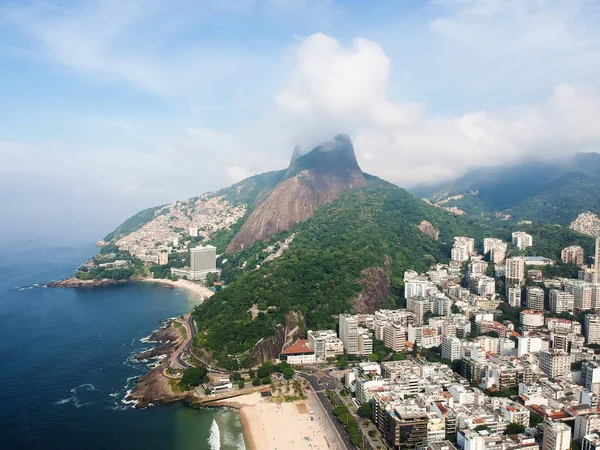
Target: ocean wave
(64, 400)
(214, 440)
(83, 395)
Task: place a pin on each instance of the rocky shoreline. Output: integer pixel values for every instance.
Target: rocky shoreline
(153, 387)
(77, 283)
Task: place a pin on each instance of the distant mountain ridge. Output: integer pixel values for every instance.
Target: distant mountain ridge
(546, 192)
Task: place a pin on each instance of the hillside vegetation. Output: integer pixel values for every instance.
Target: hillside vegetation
(318, 275)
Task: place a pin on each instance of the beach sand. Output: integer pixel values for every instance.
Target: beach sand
(269, 426)
(198, 292)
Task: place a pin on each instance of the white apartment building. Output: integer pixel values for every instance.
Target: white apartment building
(554, 362)
(557, 436)
(561, 301)
(349, 333)
(592, 329)
(514, 296)
(417, 288)
(365, 343)
(535, 298)
(420, 307)
(460, 253)
(582, 294)
(585, 424)
(515, 270)
(531, 318)
(522, 240)
(528, 345)
(491, 243)
(467, 242)
(451, 348)
(590, 442)
(325, 344)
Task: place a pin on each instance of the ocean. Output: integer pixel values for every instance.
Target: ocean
(67, 361)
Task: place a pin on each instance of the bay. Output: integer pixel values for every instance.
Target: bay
(66, 361)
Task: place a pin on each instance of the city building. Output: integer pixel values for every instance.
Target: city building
(349, 333)
(585, 424)
(590, 442)
(515, 271)
(514, 296)
(365, 343)
(419, 307)
(582, 294)
(405, 428)
(572, 255)
(522, 240)
(299, 352)
(163, 258)
(527, 345)
(325, 344)
(203, 260)
(557, 436)
(554, 363)
(394, 336)
(535, 298)
(531, 318)
(561, 301)
(592, 329)
(451, 348)
(194, 231)
(590, 376)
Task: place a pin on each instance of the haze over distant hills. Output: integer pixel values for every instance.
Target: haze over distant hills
(546, 192)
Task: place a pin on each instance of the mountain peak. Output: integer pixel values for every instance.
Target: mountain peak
(313, 179)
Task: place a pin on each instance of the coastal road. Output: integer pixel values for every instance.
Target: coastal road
(320, 397)
(176, 362)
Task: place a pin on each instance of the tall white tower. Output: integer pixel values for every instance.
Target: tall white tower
(597, 258)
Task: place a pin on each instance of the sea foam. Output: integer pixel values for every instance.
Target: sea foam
(214, 440)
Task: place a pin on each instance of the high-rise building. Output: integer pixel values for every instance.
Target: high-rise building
(561, 301)
(515, 271)
(535, 298)
(394, 336)
(460, 253)
(597, 258)
(592, 329)
(417, 288)
(572, 255)
(365, 343)
(554, 363)
(325, 344)
(203, 260)
(590, 375)
(585, 424)
(349, 333)
(522, 240)
(467, 242)
(514, 296)
(557, 436)
(163, 258)
(420, 307)
(450, 348)
(490, 243)
(582, 294)
(590, 442)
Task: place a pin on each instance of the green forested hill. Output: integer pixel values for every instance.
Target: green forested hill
(318, 275)
(543, 192)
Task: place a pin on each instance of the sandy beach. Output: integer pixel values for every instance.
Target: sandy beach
(269, 426)
(198, 291)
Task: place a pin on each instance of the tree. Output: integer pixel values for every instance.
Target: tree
(288, 373)
(256, 382)
(193, 377)
(235, 376)
(365, 409)
(266, 380)
(514, 428)
(241, 384)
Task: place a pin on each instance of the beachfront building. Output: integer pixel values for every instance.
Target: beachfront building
(299, 352)
(203, 260)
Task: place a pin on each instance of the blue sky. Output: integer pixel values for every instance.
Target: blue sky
(111, 106)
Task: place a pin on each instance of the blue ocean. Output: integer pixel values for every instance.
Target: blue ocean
(67, 361)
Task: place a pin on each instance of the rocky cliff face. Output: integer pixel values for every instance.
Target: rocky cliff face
(376, 290)
(271, 348)
(311, 180)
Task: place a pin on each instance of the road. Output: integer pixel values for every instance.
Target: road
(176, 362)
(319, 391)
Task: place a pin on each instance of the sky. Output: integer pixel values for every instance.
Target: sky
(112, 106)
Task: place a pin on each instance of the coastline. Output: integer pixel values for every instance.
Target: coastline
(268, 424)
(200, 292)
